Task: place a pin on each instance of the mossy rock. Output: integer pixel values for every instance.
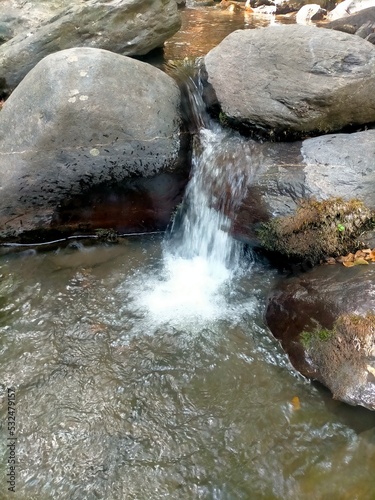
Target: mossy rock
(317, 229)
(344, 357)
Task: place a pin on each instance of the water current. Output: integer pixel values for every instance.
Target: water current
(144, 370)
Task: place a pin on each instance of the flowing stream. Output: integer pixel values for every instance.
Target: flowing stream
(144, 370)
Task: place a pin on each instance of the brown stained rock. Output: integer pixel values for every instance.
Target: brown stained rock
(344, 357)
(324, 320)
(83, 122)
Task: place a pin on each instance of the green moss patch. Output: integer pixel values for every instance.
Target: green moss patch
(342, 354)
(318, 229)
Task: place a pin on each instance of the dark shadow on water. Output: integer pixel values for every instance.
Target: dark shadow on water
(356, 417)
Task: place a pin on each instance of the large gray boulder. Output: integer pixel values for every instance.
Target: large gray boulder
(293, 79)
(128, 27)
(17, 16)
(84, 118)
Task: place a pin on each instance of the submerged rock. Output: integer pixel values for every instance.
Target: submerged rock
(325, 322)
(128, 27)
(289, 80)
(78, 145)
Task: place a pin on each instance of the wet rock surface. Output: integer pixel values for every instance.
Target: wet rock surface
(289, 80)
(324, 321)
(71, 126)
(333, 165)
(32, 30)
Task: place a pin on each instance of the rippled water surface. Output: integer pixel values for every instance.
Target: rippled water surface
(114, 402)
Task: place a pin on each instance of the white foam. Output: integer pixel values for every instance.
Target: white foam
(193, 289)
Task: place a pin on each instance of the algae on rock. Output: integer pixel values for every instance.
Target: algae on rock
(317, 229)
(345, 355)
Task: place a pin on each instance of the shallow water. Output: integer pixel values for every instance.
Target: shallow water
(205, 27)
(116, 401)
(144, 372)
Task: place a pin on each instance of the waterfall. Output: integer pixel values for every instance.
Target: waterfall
(202, 228)
(200, 256)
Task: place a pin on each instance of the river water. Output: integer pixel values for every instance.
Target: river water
(144, 370)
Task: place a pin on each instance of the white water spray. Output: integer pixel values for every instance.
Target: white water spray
(200, 256)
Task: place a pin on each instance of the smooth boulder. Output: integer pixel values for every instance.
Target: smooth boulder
(324, 320)
(127, 27)
(290, 80)
(82, 122)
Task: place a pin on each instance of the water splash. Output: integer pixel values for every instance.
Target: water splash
(201, 258)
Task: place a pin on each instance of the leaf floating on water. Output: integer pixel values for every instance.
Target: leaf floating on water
(296, 403)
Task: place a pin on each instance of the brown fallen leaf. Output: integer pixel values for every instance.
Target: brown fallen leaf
(349, 257)
(296, 403)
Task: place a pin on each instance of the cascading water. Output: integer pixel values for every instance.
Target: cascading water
(200, 256)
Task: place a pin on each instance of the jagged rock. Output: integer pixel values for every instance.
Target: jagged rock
(128, 27)
(324, 320)
(289, 80)
(90, 137)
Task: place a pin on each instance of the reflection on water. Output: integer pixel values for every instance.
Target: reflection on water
(111, 405)
(204, 28)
